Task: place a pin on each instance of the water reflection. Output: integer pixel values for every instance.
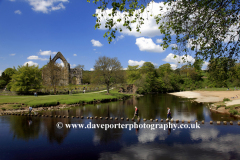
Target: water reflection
(52, 132)
(200, 145)
(25, 127)
(208, 142)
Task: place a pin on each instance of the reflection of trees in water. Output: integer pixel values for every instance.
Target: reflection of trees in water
(25, 127)
(152, 106)
(53, 133)
(113, 109)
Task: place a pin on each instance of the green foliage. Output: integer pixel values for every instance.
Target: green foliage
(226, 99)
(233, 111)
(26, 79)
(218, 106)
(17, 105)
(42, 104)
(220, 70)
(164, 69)
(108, 71)
(4, 109)
(133, 74)
(206, 24)
(87, 77)
(227, 107)
(2, 83)
(6, 77)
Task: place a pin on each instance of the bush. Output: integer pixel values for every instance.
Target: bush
(4, 109)
(218, 106)
(17, 105)
(140, 90)
(226, 99)
(233, 111)
(71, 101)
(48, 104)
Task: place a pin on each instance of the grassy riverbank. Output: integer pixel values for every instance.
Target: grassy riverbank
(15, 102)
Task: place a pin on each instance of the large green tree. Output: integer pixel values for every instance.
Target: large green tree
(108, 71)
(218, 71)
(26, 79)
(133, 73)
(209, 28)
(7, 76)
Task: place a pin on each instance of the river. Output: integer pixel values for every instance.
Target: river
(24, 137)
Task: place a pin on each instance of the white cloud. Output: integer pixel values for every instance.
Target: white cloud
(37, 58)
(1, 72)
(173, 45)
(120, 37)
(149, 28)
(173, 66)
(61, 63)
(206, 134)
(12, 0)
(17, 12)
(182, 60)
(12, 54)
(96, 43)
(30, 63)
(46, 53)
(94, 49)
(134, 63)
(59, 6)
(91, 69)
(159, 41)
(73, 65)
(74, 54)
(205, 64)
(46, 6)
(146, 44)
(179, 59)
(232, 32)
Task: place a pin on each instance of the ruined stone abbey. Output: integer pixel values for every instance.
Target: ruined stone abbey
(70, 76)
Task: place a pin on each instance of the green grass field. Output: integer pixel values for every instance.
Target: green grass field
(52, 100)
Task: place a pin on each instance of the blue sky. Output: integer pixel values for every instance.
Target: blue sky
(32, 30)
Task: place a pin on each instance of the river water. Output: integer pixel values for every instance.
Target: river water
(23, 137)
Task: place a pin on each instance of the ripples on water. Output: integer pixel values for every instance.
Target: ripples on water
(38, 137)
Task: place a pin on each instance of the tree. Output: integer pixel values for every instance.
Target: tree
(52, 75)
(164, 69)
(218, 71)
(108, 71)
(2, 83)
(210, 28)
(80, 66)
(133, 73)
(87, 77)
(148, 70)
(26, 79)
(7, 76)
